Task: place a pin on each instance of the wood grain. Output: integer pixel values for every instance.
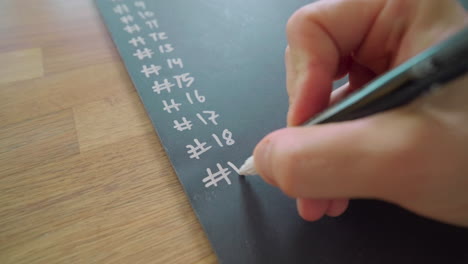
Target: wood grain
(21, 65)
(110, 120)
(56, 92)
(37, 141)
(83, 177)
(102, 206)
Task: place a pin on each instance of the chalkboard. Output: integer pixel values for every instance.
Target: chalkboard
(211, 76)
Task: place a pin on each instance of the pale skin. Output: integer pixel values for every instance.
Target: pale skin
(415, 156)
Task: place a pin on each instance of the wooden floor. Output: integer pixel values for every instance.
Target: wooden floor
(83, 177)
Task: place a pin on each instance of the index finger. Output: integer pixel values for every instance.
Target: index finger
(319, 36)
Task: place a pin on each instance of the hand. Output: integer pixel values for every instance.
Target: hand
(415, 156)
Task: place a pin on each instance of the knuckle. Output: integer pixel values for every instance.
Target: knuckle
(404, 160)
(412, 139)
(298, 18)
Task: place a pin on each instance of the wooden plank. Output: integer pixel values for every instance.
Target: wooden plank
(118, 203)
(118, 199)
(21, 65)
(68, 55)
(34, 142)
(25, 100)
(210, 259)
(110, 120)
(72, 34)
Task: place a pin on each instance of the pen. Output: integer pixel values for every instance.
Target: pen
(435, 66)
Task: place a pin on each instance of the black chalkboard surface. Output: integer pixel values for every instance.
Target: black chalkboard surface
(210, 74)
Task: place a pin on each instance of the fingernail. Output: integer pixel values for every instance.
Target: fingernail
(263, 164)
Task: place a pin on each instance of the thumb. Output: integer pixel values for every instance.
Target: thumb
(360, 158)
